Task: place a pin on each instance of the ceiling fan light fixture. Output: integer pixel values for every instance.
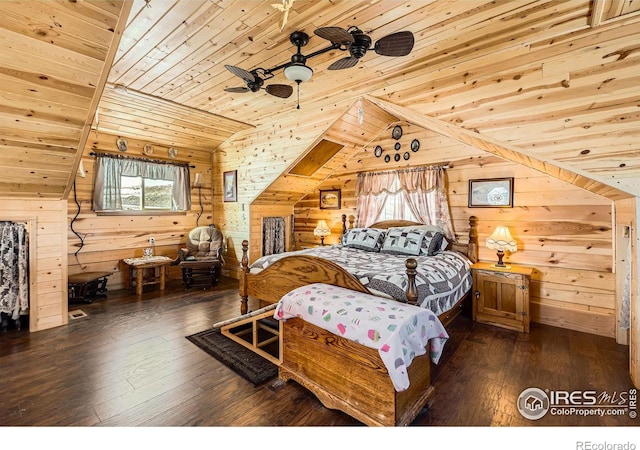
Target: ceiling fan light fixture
(298, 72)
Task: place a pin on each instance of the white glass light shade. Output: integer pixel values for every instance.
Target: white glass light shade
(501, 239)
(322, 229)
(298, 73)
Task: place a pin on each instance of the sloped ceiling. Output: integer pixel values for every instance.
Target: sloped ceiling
(54, 57)
(556, 80)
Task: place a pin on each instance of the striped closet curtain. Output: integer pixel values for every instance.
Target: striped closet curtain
(14, 269)
(273, 237)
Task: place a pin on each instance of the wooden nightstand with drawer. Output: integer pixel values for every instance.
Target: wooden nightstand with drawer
(501, 295)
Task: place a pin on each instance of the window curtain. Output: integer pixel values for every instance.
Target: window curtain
(422, 189)
(109, 169)
(14, 269)
(273, 238)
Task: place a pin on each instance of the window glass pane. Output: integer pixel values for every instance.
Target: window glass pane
(396, 208)
(131, 193)
(157, 193)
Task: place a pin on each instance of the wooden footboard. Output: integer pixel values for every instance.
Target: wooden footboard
(350, 377)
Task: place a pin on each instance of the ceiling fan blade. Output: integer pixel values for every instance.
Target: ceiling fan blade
(237, 90)
(396, 44)
(344, 63)
(244, 74)
(335, 34)
(280, 90)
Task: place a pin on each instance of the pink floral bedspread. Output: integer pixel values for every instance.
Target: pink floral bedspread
(399, 331)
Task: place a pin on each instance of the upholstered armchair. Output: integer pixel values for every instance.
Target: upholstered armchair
(201, 259)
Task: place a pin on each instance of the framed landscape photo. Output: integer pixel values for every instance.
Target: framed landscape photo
(491, 193)
(230, 186)
(330, 199)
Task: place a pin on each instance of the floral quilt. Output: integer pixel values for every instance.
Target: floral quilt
(441, 279)
(400, 332)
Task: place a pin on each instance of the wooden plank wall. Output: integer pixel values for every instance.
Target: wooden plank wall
(562, 231)
(109, 239)
(48, 282)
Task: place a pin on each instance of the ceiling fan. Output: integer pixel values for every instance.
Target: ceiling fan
(254, 82)
(352, 40)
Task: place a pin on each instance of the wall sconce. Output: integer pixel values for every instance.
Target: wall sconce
(501, 240)
(197, 179)
(322, 230)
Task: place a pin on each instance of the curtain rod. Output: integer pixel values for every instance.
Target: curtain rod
(140, 158)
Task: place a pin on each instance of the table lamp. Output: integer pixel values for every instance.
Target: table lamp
(322, 230)
(501, 240)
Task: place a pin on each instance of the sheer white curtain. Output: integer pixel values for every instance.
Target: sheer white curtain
(421, 190)
(110, 169)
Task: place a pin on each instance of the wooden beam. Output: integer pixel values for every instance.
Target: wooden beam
(106, 67)
(548, 166)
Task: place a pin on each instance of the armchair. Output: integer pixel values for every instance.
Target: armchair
(201, 260)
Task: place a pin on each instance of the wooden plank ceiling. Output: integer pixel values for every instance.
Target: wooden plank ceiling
(555, 78)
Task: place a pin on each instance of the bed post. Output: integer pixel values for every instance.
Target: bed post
(344, 224)
(244, 265)
(412, 290)
(473, 239)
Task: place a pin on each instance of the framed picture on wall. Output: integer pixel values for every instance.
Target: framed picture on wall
(491, 193)
(330, 199)
(230, 186)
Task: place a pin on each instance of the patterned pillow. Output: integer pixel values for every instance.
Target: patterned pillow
(431, 243)
(442, 240)
(403, 242)
(369, 239)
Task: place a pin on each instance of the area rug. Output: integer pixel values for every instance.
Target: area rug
(251, 366)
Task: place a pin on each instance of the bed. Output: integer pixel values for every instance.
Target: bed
(407, 279)
(315, 358)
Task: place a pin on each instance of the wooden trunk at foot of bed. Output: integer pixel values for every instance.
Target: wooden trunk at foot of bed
(350, 377)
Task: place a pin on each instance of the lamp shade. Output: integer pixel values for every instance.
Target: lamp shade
(501, 239)
(298, 72)
(322, 229)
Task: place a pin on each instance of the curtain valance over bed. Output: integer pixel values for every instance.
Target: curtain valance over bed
(423, 190)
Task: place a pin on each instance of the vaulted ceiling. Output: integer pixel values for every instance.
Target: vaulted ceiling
(556, 80)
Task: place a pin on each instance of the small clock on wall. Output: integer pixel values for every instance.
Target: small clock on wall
(377, 151)
(415, 145)
(397, 146)
(397, 132)
(122, 144)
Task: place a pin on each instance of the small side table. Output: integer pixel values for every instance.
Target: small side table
(157, 263)
(501, 295)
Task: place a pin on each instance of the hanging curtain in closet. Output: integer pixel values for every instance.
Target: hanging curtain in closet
(273, 237)
(14, 269)
(422, 189)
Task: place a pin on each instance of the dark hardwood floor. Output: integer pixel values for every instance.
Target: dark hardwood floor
(128, 364)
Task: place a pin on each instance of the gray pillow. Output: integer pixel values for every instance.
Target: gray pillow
(403, 242)
(368, 239)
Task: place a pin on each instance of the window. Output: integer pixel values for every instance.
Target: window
(124, 184)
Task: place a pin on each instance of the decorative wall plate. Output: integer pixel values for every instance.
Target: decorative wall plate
(415, 145)
(122, 144)
(147, 149)
(173, 152)
(406, 156)
(378, 151)
(387, 158)
(397, 146)
(396, 157)
(397, 132)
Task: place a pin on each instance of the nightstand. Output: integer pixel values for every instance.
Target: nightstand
(501, 295)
